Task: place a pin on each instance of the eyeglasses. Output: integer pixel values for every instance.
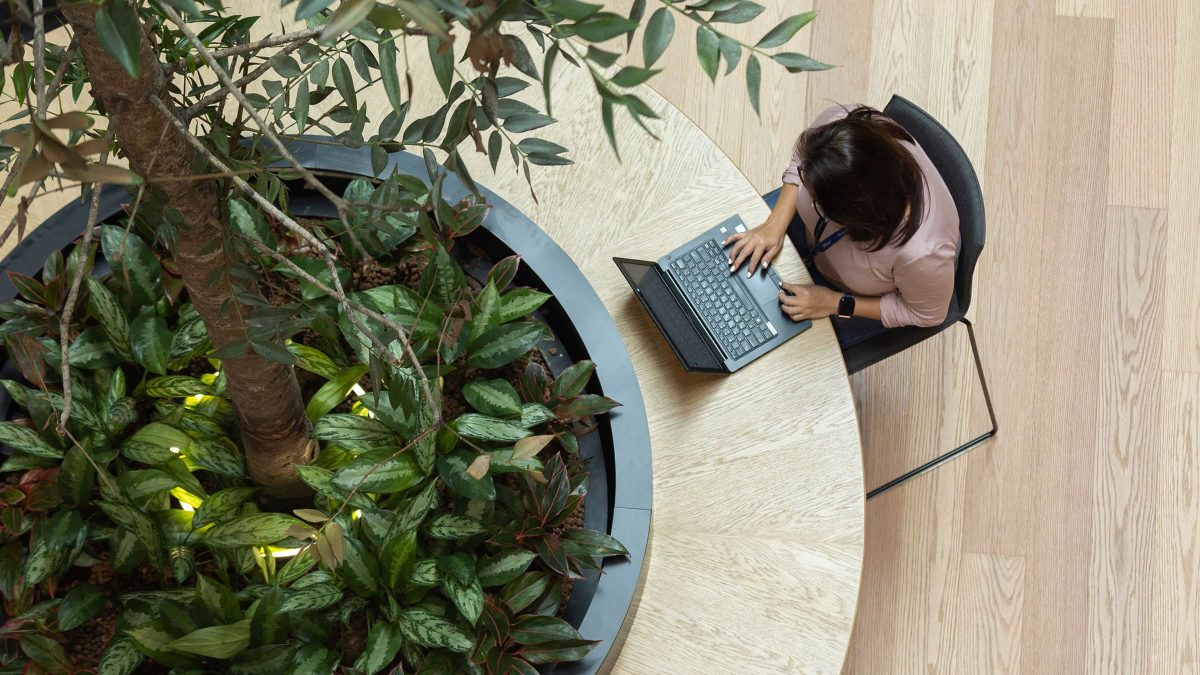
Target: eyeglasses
(818, 210)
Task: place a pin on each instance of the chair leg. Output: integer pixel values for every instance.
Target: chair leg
(987, 397)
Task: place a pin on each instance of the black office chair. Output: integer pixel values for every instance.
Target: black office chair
(955, 168)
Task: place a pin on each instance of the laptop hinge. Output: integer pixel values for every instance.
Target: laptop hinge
(693, 315)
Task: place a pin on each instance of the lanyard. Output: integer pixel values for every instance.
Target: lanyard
(826, 243)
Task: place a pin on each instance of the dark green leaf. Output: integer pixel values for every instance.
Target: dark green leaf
(740, 13)
(79, 605)
(603, 26)
(345, 17)
(221, 504)
(708, 50)
(27, 440)
(442, 60)
(592, 543)
(217, 599)
(140, 524)
(267, 621)
(429, 630)
(380, 475)
(547, 67)
(453, 470)
(118, 29)
(218, 642)
(520, 302)
(731, 51)
(250, 222)
(495, 397)
(176, 386)
(333, 392)
(76, 477)
(505, 566)
(112, 318)
(787, 28)
(151, 341)
(315, 597)
(397, 558)
(796, 63)
(91, 350)
(523, 122)
(359, 569)
(606, 115)
(572, 9)
(560, 650)
(491, 429)
(536, 630)
(134, 265)
(753, 81)
(524, 590)
(572, 381)
(300, 108)
(314, 659)
(46, 652)
(217, 457)
(504, 344)
(383, 644)
(120, 658)
(343, 428)
(256, 529)
(307, 8)
(467, 596)
(453, 527)
(659, 31)
(631, 76)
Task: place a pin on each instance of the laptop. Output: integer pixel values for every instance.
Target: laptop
(716, 322)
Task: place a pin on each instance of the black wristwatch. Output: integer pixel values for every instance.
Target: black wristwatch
(845, 308)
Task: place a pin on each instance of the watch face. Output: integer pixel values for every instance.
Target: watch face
(846, 306)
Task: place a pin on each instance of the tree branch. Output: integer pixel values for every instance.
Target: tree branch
(219, 95)
(338, 291)
(64, 321)
(263, 126)
(274, 41)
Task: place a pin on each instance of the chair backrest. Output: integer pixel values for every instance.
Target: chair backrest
(954, 166)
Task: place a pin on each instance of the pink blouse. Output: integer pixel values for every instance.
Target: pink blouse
(914, 280)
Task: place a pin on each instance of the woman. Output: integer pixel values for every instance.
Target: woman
(873, 220)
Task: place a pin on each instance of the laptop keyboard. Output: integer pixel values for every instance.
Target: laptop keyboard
(704, 276)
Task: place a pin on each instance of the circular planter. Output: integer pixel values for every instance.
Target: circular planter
(601, 606)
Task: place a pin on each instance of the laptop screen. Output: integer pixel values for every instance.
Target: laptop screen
(672, 319)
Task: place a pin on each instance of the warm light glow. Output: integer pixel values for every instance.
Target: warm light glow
(356, 515)
(186, 507)
(284, 552)
(194, 400)
(360, 392)
(175, 450)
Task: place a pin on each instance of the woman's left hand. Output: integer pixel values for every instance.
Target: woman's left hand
(808, 302)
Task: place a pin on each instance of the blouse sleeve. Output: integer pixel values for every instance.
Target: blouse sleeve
(792, 173)
(924, 287)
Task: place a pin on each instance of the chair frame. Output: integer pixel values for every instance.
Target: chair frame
(978, 440)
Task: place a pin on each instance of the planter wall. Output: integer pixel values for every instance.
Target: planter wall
(601, 606)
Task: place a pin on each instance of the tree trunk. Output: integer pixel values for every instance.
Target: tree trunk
(265, 394)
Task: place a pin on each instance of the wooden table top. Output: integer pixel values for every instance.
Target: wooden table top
(757, 541)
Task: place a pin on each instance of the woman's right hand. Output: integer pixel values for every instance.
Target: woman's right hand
(759, 246)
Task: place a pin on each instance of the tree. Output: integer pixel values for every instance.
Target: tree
(172, 106)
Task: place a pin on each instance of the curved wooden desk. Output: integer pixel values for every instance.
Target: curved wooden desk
(758, 480)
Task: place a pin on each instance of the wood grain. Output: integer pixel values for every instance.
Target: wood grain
(1097, 9)
(1139, 147)
(1068, 355)
(1123, 494)
(1175, 570)
(1181, 343)
(989, 637)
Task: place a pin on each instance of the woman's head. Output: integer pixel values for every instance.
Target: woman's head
(862, 178)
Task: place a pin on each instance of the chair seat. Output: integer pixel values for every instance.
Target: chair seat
(895, 340)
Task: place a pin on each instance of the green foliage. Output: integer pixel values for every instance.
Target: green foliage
(409, 536)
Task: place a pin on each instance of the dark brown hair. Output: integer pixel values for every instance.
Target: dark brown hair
(862, 178)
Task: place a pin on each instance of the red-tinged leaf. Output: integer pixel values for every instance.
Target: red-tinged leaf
(584, 405)
(562, 650)
(550, 550)
(524, 590)
(29, 288)
(504, 271)
(572, 381)
(29, 356)
(536, 630)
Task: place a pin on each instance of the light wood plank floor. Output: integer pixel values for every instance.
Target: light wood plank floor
(1069, 544)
